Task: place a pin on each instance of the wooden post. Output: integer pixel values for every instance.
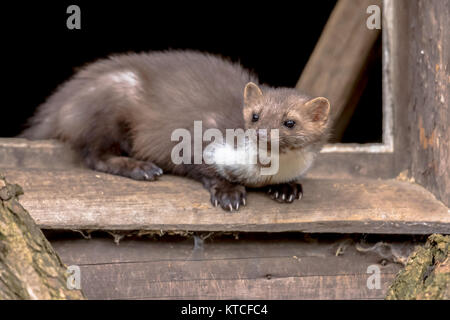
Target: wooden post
(29, 267)
(419, 44)
(338, 62)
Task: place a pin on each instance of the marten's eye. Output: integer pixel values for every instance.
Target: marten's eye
(289, 124)
(255, 117)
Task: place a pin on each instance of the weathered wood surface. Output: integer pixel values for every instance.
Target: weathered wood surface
(22, 153)
(48, 154)
(29, 267)
(339, 165)
(419, 75)
(252, 267)
(84, 199)
(341, 54)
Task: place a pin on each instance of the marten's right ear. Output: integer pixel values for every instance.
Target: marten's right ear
(251, 93)
(318, 110)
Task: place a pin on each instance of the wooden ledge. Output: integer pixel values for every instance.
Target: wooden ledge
(51, 154)
(86, 200)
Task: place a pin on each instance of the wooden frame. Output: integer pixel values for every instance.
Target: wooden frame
(345, 45)
(417, 51)
(387, 145)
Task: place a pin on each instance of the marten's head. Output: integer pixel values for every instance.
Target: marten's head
(301, 120)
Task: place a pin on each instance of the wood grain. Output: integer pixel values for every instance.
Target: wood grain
(51, 154)
(84, 199)
(300, 287)
(420, 79)
(252, 268)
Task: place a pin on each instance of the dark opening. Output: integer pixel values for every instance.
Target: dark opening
(366, 123)
(274, 40)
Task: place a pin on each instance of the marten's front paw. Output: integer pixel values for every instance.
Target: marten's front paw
(228, 196)
(286, 192)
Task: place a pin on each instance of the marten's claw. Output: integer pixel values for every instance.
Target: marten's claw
(299, 192)
(228, 197)
(146, 171)
(286, 192)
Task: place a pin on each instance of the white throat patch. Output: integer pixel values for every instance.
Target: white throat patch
(292, 165)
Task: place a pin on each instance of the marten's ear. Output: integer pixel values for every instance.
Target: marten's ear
(318, 109)
(251, 93)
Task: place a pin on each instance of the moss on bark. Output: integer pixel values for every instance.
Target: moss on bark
(29, 267)
(427, 273)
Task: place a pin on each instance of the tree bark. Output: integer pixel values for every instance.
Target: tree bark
(427, 273)
(29, 267)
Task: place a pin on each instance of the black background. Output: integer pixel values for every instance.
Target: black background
(277, 309)
(273, 39)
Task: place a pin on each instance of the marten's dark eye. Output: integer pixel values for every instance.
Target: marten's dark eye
(255, 117)
(289, 124)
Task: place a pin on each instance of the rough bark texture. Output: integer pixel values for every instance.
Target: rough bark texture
(420, 57)
(29, 267)
(427, 273)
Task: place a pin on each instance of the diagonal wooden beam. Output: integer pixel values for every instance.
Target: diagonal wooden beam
(339, 59)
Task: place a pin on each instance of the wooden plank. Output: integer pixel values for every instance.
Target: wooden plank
(48, 154)
(101, 250)
(279, 267)
(396, 47)
(84, 199)
(301, 287)
(419, 42)
(336, 65)
(22, 153)
(344, 165)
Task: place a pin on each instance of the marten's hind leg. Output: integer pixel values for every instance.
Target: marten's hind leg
(109, 150)
(109, 156)
(124, 166)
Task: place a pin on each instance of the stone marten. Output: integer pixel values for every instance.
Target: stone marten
(120, 113)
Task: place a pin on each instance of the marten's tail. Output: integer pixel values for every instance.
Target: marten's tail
(40, 126)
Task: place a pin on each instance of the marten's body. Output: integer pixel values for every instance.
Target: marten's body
(120, 113)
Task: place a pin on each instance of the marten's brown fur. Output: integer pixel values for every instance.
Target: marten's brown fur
(119, 113)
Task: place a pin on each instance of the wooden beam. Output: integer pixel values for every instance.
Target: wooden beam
(339, 59)
(336, 165)
(48, 154)
(84, 199)
(277, 266)
(419, 77)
